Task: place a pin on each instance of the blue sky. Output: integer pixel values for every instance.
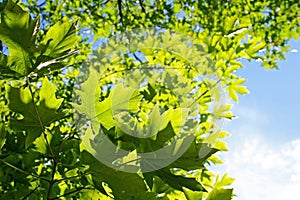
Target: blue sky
(264, 149)
(277, 93)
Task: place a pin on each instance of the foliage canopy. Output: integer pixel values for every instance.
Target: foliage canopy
(46, 149)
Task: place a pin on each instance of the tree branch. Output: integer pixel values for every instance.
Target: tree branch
(142, 6)
(120, 11)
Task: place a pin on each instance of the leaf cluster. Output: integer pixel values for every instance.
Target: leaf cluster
(48, 151)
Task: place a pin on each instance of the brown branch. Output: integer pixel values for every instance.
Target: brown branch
(120, 11)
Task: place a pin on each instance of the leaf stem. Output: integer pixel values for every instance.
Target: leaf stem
(24, 172)
(30, 193)
(52, 181)
(40, 121)
(74, 191)
(55, 161)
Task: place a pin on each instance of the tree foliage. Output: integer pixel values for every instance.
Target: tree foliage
(47, 151)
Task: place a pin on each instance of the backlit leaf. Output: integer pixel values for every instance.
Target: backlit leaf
(35, 117)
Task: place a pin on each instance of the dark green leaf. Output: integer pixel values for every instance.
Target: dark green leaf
(2, 135)
(178, 182)
(35, 117)
(194, 157)
(124, 185)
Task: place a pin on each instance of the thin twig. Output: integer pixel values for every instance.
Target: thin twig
(136, 57)
(24, 172)
(42, 4)
(77, 190)
(30, 193)
(104, 2)
(71, 177)
(40, 121)
(52, 180)
(205, 92)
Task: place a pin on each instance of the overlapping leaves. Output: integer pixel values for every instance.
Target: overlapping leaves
(36, 116)
(221, 27)
(18, 31)
(127, 99)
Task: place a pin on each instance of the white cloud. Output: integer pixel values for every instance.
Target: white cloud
(263, 168)
(294, 50)
(265, 171)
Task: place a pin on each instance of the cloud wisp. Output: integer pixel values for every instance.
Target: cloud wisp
(263, 168)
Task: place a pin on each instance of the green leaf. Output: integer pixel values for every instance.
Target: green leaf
(125, 99)
(178, 182)
(18, 31)
(60, 39)
(194, 157)
(225, 33)
(123, 184)
(35, 117)
(150, 94)
(225, 181)
(155, 123)
(5, 71)
(57, 45)
(220, 194)
(158, 185)
(47, 95)
(162, 138)
(89, 102)
(147, 196)
(235, 87)
(192, 195)
(2, 135)
(119, 100)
